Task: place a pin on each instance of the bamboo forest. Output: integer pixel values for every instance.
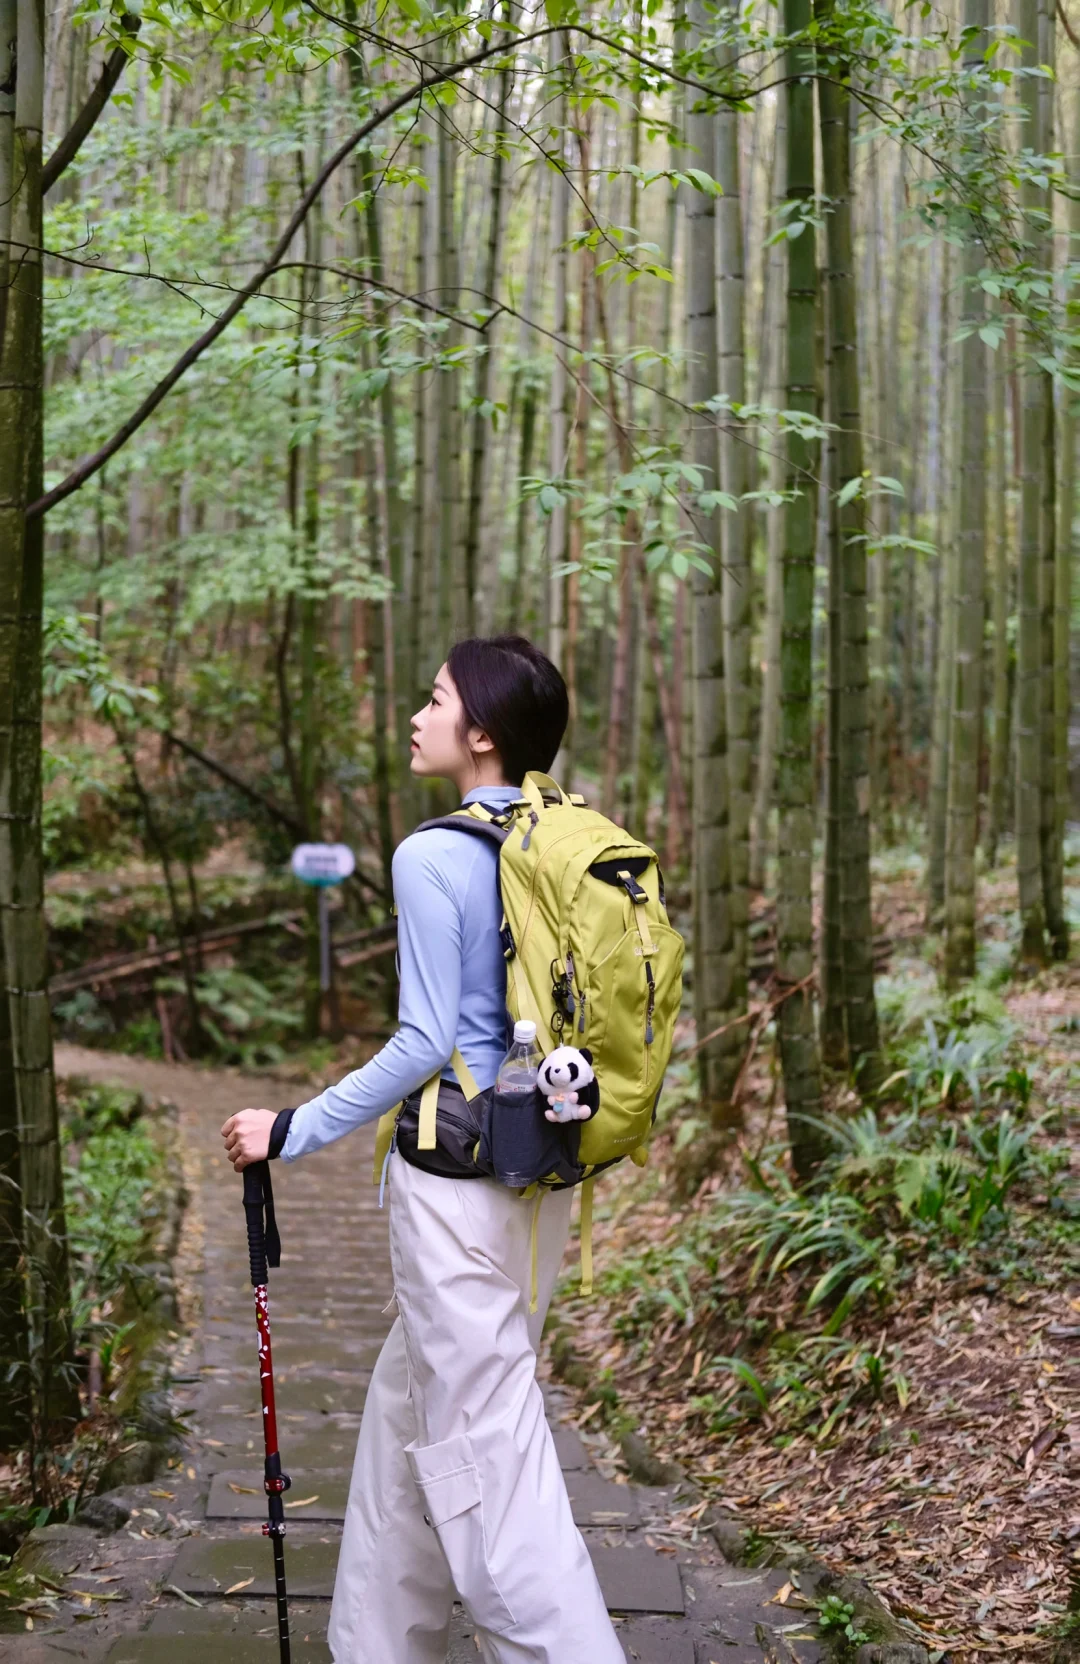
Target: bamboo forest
(729, 351)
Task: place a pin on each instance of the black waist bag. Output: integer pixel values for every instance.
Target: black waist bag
(459, 1128)
(468, 1144)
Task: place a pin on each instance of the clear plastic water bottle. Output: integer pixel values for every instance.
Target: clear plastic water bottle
(515, 1107)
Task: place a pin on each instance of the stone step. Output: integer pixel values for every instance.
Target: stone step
(637, 1579)
(237, 1394)
(663, 1641)
(237, 1494)
(193, 1649)
(597, 1501)
(245, 1620)
(208, 1567)
(569, 1448)
(633, 1578)
(341, 1352)
(316, 1442)
(323, 1493)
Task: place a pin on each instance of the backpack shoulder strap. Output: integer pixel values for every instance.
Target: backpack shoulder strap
(483, 825)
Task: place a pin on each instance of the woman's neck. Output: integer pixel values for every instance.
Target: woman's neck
(484, 776)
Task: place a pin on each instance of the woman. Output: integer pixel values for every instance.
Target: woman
(456, 1484)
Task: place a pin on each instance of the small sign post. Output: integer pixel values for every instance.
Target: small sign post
(323, 865)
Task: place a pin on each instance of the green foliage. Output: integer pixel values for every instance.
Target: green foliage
(836, 1617)
(781, 1230)
(242, 1016)
(82, 1015)
(113, 1192)
(807, 1381)
(87, 815)
(938, 1067)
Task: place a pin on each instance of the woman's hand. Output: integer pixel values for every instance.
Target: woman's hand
(247, 1136)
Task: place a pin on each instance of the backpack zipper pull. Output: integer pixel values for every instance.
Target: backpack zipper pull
(571, 978)
(652, 1001)
(571, 1008)
(533, 818)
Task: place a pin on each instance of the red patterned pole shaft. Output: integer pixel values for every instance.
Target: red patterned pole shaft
(266, 1372)
(257, 1195)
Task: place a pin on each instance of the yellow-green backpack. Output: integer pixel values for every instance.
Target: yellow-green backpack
(591, 958)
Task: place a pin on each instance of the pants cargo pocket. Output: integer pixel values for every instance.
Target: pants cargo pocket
(449, 1483)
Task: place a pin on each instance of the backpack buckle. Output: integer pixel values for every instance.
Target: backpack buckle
(632, 888)
(501, 814)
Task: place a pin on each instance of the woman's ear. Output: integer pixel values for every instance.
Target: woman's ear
(480, 741)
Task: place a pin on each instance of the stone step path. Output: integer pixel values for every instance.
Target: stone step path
(194, 1537)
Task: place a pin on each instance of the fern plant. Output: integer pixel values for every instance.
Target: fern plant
(937, 1067)
(786, 1230)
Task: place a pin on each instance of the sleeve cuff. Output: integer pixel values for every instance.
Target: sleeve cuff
(279, 1132)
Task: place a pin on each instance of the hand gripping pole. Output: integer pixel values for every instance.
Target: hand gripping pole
(264, 1252)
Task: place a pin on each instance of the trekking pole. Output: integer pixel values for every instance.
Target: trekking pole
(264, 1250)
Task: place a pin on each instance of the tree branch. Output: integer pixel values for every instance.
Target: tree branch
(428, 80)
(90, 465)
(284, 818)
(80, 129)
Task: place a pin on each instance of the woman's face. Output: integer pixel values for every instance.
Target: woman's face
(437, 748)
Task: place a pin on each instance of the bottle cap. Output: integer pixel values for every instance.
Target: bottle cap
(524, 1029)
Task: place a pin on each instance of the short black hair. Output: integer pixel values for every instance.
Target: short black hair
(511, 690)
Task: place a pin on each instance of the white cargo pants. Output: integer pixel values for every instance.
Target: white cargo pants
(457, 1487)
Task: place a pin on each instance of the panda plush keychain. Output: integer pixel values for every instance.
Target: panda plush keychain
(567, 1081)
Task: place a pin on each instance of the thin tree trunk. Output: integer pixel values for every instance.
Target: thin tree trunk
(311, 610)
(914, 505)
(424, 587)
(612, 800)
(14, 1394)
(22, 919)
(482, 375)
(1029, 655)
(969, 600)
(395, 612)
(681, 756)
(579, 441)
(735, 526)
(833, 1026)
(554, 590)
(938, 793)
(717, 1001)
(860, 1008)
(885, 308)
(794, 906)
(641, 761)
(454, 609)
(523, 513)
(1002, 663)
(1051, 826)
(1063, 547)
(368, 470)
(775, 346)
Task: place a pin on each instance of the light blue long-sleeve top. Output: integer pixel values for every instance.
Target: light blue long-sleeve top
(453, 982)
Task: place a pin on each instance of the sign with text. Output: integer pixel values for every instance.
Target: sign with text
(323, 863)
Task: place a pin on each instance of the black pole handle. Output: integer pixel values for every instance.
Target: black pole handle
(264, 1244)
